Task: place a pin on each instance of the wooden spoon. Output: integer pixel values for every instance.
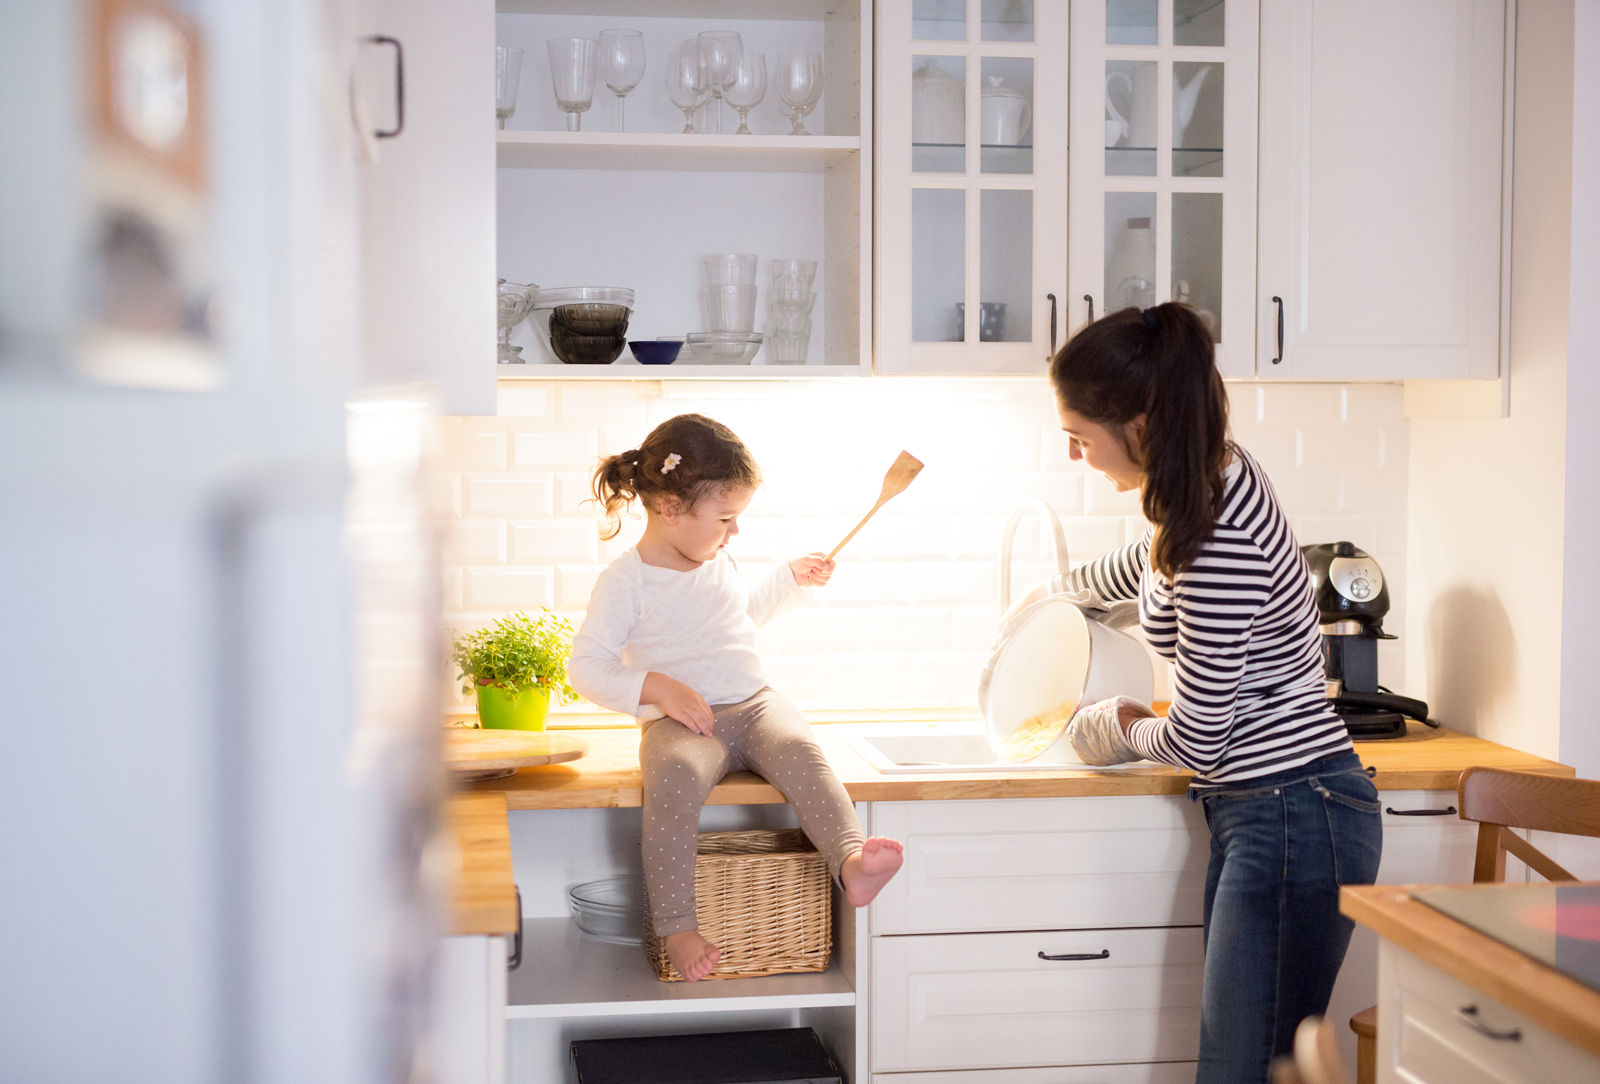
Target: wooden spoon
(905, 467)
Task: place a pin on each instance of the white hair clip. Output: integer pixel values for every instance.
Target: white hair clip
(671, 461)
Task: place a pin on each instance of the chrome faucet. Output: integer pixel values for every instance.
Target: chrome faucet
(1058, 542)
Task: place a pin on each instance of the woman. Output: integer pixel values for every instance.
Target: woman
(1226, 597)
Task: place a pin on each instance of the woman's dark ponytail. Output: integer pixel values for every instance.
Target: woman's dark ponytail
(1159, 363)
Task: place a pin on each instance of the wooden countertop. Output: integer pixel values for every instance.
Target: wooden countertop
(609, 775)
(1543, 995)
(485, 896)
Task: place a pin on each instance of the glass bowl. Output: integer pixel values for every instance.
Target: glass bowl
(586, 349)
(724, 347)
(590, 318)
(611, 909)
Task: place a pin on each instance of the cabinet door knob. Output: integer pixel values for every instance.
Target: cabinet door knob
(1052, 298)
(1278, 301)
(399, 85)
(1103, 954)
(1468, 1015)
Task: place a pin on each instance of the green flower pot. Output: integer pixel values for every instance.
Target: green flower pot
(502, 709)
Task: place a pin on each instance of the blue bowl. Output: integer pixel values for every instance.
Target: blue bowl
(647, 352)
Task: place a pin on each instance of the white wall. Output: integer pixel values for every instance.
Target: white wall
(1487, 494)
(911, 612)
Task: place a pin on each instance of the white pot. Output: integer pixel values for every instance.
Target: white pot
(1005, 115)
(938, 106)
(1054, 655)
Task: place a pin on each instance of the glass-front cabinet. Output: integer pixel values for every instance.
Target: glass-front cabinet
(971, 176)
(1166, 210)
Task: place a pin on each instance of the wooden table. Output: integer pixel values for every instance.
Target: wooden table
(1543, 995)
(609, 776)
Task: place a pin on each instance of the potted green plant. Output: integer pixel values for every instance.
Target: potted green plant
(514, 666)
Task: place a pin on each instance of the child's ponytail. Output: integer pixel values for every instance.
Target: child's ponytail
(684, 458)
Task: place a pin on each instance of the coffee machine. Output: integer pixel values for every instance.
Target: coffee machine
(1352, 601)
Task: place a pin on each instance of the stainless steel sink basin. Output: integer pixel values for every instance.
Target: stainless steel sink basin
(919, 748)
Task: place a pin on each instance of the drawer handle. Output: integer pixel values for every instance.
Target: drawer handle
(1103, 954)
(1449, 811)
(1468, 1014)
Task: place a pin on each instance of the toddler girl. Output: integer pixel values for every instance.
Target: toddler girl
(670, 639)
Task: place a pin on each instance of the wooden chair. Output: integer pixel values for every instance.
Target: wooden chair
(1501, 801)
(1316, 1056)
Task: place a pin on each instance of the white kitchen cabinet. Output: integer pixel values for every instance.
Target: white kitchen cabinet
(1046, 997)
(1043, 863)
(1161, 1072)
(428, 202)
(1383, 186)
(1164, 163)
(468, 1041)
(638, 208)
(971, 183)
(1434, 1029)
(1425, 842)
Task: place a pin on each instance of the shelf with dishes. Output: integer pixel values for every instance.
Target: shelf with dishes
(673, 151)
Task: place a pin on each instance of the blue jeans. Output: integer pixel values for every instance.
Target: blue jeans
(1281, 846)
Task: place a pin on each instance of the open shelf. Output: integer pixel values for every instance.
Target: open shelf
(673, 151)
(567, 973)
(618, 371)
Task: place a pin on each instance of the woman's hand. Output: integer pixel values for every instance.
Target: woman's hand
(812, 570)
(1130, 711)
(678, 701)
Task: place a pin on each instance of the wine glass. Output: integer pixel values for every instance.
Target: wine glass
(507, 74)
(720, 52)
(686, 82)
(799, 86)
(621, 64)
(516, 302)
(749, 86)
(572, 66)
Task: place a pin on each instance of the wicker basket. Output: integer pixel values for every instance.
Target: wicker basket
(764, 898)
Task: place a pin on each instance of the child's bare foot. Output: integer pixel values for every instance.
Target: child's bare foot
(691, 954)
(866, 872)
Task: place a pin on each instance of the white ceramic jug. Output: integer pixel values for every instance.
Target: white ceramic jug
(1005, 114)
(938, 105)
(1116, 123)
(1184, 99)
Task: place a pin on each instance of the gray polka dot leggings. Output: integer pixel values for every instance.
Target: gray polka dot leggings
(766, 735)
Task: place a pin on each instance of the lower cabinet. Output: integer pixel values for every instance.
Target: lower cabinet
(1434, 1029)
(1039, 998)
(1167, 1072)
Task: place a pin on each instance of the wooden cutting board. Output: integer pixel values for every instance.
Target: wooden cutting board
(472, 754)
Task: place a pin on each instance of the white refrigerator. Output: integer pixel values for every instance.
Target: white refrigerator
(219, 780)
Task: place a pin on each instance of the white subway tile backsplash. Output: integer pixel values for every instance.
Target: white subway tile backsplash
(506, 497)
(601, 403)
(507, 589)
(553, 541)
(473, 542)
(547, 451)
(912, 611)
(523, 402)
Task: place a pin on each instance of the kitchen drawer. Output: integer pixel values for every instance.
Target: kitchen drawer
(1043, 863)
(989, 1001)
(1425, 1038)
(1425, 841)
(1165, 1072)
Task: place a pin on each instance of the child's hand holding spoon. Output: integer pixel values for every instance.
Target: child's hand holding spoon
(812, 570)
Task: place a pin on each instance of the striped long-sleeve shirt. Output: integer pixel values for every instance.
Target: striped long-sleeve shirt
(1240, 627)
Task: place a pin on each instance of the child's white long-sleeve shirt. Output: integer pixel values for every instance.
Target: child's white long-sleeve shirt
(697, 627)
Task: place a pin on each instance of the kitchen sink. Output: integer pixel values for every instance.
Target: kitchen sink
(960, 746)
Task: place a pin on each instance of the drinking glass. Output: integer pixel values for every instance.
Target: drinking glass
(686, 82)
(799, 86)
(720, 52)
(749, 86)
(572, 66)
(507, 74)
(621, 65)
